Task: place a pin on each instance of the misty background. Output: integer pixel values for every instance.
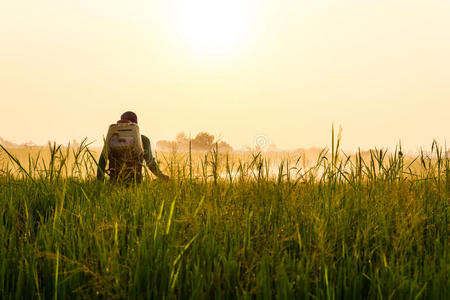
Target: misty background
(380, 69)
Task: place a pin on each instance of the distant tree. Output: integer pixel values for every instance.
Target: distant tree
(182, 141)
(203, 141)
(167, 145)
(224, 147)
(8, 144)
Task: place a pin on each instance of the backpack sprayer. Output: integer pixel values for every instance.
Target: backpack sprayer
(125, 150)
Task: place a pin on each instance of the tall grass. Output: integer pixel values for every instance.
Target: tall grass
(372, 225)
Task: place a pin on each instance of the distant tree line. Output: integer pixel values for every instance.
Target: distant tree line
(203, 141)
(8, 144)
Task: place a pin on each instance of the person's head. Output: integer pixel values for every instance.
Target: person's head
(130, 116)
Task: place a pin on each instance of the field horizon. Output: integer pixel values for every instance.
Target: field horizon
(268, 148)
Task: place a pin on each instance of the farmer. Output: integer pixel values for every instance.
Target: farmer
(137, 171)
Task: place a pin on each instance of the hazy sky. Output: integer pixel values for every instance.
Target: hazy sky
(283, 69)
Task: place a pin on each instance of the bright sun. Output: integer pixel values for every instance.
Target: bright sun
(212, 26)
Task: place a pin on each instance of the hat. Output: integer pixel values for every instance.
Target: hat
(129, 115)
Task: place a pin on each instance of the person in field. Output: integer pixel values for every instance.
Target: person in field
(126, 150)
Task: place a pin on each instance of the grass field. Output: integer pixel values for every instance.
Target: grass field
(227, 226)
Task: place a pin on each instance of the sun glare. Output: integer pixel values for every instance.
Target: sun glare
(212, 26)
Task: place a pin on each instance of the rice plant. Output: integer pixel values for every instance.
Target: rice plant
(239, 225)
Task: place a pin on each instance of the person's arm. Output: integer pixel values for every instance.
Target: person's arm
(150, 160)
(101, 165)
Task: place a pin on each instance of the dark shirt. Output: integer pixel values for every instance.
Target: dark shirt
(148, 158)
